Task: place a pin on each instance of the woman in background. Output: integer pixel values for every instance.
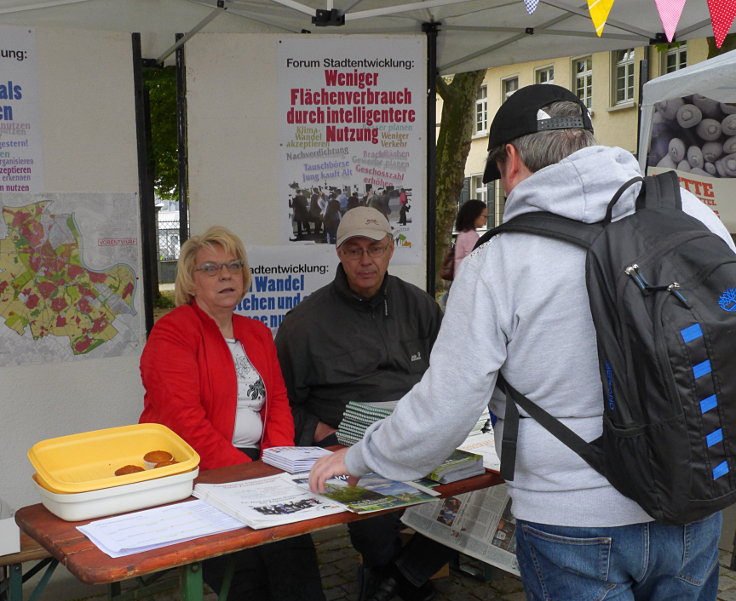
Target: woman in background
(213, 377)
(473, 214)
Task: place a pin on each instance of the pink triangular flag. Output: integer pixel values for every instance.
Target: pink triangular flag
(531, 5)
(722, 13)
(669, 13)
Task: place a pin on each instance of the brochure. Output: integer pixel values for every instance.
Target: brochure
(459, 465)
(373, 493)
(293, 459)
(266, 502)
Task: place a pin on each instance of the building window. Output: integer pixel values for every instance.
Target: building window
(508, 87)
(583, 69)
(481, 111)
(675, 59)
(623, 76)
(545, 75)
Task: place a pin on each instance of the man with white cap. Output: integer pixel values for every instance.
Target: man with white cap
(365, 337)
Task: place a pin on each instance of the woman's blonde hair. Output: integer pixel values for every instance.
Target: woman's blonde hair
(214, 236)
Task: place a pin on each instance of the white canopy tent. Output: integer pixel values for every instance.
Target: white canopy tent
(471, 34)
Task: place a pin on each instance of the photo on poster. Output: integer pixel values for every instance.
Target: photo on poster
(353, 133)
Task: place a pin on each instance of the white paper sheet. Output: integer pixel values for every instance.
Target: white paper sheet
(158, 527)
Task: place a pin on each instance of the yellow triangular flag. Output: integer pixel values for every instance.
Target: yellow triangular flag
(599, 10)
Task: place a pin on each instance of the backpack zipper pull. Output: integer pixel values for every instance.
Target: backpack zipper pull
(633, 272)
(673, 289)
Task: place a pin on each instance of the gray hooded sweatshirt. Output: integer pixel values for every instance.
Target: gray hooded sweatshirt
(519, 305)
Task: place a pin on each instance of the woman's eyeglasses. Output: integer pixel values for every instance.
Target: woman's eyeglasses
(212, 269)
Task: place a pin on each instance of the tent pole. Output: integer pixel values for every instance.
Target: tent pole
(149, 235)
(181, 139)
(431, 29)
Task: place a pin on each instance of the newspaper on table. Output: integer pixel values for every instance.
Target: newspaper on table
(267, 502)
(478, 524)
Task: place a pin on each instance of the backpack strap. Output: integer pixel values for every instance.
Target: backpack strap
(549, 225)
(660, 192)
(549, 423)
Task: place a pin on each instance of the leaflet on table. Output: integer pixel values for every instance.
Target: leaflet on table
(459, 465)
(478, 524)
(373, 493)
(267, 502)
(157, 527)
(293, 459)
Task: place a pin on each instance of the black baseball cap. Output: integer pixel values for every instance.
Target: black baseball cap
(518, 117)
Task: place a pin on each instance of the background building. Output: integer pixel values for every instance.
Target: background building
(609, 82)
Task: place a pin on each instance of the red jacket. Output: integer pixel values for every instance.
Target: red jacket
(191, 385)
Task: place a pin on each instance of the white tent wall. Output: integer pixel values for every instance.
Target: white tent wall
(89, 145)
(233, 139)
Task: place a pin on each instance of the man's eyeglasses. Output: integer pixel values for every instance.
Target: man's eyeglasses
(212, 269)
(355, 252)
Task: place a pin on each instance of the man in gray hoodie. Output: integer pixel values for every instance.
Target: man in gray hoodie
(519, 306)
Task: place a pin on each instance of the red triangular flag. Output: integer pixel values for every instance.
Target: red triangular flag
(669, 13)
(722, 13)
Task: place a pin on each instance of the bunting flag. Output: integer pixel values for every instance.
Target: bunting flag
(599, 10)
(669, 13)
(531, 5)
(722, 13)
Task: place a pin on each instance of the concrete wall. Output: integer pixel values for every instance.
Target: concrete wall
(89, 145)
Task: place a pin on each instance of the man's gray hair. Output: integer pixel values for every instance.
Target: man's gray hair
(544, 148)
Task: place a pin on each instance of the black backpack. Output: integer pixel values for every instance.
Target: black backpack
(662, 292)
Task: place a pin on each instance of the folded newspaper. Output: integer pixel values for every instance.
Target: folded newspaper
(293, 459)
(266, 502)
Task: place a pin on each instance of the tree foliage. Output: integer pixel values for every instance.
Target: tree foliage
(453, 145)
(160, 84)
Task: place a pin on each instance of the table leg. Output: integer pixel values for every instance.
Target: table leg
(191, 583)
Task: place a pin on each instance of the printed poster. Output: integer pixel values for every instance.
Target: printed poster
(69, 272)
(282, 277)
(696, 136)
(352, 114)
(20, 125)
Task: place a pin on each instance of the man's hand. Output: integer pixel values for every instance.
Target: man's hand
(326, 467)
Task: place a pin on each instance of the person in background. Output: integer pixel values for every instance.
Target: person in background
(213, 377)
(520, 307)
(473, 214)
(365, 337)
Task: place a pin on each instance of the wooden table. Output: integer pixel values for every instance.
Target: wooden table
(90, 565)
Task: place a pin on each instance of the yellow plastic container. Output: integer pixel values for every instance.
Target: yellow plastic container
(87, 461)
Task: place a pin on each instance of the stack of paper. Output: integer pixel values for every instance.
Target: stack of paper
(357, 417)
(293, 459)
(458, 466)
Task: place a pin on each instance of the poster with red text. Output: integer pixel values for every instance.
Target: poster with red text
(718, 193)
(352, 113)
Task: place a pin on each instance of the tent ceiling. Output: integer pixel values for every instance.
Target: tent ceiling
(473, 34)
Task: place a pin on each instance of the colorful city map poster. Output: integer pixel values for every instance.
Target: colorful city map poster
(69, 277)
